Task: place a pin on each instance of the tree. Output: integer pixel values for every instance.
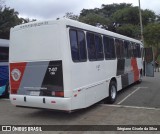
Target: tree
(129, 30)
(85, 12)
(93, 19)
(8, 18)
(128, 19)
(105, 12)
(122, 18)
(126, 16)
(70, 15)
(152, 35)
(130, 15)
(110, 9)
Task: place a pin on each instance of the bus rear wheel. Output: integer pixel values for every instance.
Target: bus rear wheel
(112, 92)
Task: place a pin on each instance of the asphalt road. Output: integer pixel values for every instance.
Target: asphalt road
(138, 104)
(146, 94)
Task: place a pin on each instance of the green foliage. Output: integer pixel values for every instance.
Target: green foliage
(129, 30)
(93, 19)
(70, 15)
(158, 18)
(148, 16)
(152, 37)
(129, 15)
(121, 18)
(85, 12)
(105, 12)
(110, 9)
(8, 18)
(152, 34)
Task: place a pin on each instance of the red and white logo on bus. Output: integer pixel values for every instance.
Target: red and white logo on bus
(16, 74)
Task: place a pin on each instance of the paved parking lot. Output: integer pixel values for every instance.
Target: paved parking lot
(137, 105)
(146, 94)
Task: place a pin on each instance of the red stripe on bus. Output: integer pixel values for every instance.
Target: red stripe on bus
(16, 83)
(135, 69)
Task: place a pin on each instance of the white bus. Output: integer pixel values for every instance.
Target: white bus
(68, 65)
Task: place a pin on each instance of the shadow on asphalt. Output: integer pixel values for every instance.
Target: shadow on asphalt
(57, 114)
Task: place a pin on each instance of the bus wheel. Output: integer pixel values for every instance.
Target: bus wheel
(112, 92)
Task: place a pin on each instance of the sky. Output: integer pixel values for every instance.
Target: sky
(52, 9)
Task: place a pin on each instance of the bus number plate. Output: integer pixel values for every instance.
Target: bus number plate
(34, 93)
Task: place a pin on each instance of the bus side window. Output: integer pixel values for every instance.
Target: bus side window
(82, 46)
(131, 49)
(126, 49)
(113, 54)
(99, 47)
(78, 45)
(138, 51)
(109, 48)
(91, 47)
(119, 48)
(4, 52)
(134, 50)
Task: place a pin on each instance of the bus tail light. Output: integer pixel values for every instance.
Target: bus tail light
(53, 102)
(58, 94)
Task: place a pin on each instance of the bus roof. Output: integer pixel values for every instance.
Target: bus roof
(4, 42)
(73, 23)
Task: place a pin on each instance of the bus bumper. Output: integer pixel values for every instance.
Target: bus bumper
(56, 103)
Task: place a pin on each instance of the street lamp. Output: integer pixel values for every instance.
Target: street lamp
(140, 18)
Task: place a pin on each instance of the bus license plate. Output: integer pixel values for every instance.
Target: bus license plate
(34, 93)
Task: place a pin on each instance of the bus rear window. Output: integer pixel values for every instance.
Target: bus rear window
(4, 54)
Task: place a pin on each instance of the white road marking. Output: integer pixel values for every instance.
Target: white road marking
(135, 107)
(141, 87)
(130, 94)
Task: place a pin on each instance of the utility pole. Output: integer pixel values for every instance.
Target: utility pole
(141, 25)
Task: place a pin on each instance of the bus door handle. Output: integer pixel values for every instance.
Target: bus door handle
(98, 67)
